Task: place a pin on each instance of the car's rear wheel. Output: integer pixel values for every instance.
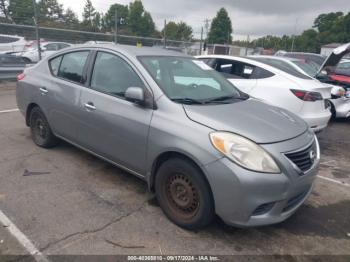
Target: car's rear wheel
(184, 194)
(40, 129)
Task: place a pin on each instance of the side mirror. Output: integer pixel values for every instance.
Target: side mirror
(135, 95)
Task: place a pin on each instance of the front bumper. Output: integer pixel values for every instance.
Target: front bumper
(244, 198)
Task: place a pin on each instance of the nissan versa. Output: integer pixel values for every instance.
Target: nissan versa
(203, 146)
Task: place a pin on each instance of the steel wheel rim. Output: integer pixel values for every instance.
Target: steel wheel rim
(182, 196)
(40, 128)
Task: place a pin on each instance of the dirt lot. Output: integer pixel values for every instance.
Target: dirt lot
(78, 204)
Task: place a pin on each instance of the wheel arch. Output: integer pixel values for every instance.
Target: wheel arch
(30, 107)
(164, 156)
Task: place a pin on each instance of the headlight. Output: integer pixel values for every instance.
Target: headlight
(244, 152)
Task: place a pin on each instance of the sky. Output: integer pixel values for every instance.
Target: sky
(249, 17)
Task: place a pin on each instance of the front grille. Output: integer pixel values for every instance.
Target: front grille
(304, 159)
(294, 201)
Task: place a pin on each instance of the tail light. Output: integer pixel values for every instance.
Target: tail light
(20, 77)
(306, 95)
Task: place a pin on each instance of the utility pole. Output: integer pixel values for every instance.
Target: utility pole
(246, 48)
(207, 26)
(295, 29)
(116, 27)
(201, 43)
(164, 32)
(37, 29)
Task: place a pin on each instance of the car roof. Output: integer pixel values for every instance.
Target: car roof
(281, 58)
(133, 50)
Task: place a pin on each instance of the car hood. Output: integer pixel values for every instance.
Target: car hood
(252, 119)
(334, 58)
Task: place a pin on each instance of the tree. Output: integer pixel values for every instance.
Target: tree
(122, 13)
(221, 28)
(184, 31)
(71, 19)
(21, 11)
(4, 10)
(50, 11)
(139, 21)
(88, 16)
(178, 31)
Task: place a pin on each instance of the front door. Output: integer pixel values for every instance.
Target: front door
(111, 126)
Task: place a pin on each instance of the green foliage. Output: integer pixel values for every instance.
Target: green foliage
(221, 28)
(21, 11)
(4, 12)
(328, 28)
(109, 18)
(89, 15)
(49, 11)
(71, 19)
(178, 31)
(139, 21)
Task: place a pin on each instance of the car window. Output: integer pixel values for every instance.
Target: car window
(61, 46)
(8, 39)
(113, 75)
(72, 66)
(51, 47)
(55, 64)
(344, 65)
(260, 73)
(234, 69)
(11, 60)
(281, 65)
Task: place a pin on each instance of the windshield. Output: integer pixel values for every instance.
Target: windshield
(309, 68)
(187, 80)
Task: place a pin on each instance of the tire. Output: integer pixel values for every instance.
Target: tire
(333, 111)
(183, 194)
(40, 129)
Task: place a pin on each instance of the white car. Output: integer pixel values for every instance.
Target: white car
(340, 102)
(11, 43)
(282, 87)
(47, 49)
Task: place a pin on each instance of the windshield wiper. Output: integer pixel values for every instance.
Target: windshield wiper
(224, 98)
(186, 100)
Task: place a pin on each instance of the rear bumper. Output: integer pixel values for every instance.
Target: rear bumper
(318, 122)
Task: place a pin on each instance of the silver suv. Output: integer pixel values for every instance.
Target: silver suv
(201, 145)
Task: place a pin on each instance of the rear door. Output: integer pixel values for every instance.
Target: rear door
(110, 125)
(62, 92)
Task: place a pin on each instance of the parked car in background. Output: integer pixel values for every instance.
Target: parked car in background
(278, 85)
(11, 66)
(335, 73)
(307, 57)
(98, 43)
(47, 49)
(203, 146)
(11, 44)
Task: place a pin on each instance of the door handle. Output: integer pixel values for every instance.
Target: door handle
(90, 106)
(43, 90)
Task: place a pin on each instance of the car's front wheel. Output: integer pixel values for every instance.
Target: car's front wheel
(184, 194)
(40, 129)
